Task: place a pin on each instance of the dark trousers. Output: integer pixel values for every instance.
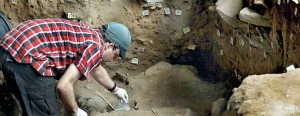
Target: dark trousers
(37, 93)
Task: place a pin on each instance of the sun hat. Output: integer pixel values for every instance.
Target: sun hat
(118, 34)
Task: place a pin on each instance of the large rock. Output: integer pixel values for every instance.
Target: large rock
(267, 95)
(229, 10)
(218, 107)
(250, 16)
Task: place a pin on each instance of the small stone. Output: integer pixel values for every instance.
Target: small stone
(242, 42)
(231, 40)
(212, 8)
(221, 52)
(151, 41)
(218, 32)
(272, 45)
(135, 105)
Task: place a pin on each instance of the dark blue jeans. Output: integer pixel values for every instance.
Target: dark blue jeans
(36, 92)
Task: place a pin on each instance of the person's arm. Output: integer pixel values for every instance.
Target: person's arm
(66, 90)
(102, 77)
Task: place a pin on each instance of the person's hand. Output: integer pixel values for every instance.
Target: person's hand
(80, 112)
(121, 93)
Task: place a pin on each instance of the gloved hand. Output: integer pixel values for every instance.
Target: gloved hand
(80, 112)
(121, 93)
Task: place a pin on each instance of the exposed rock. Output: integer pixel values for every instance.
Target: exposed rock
(260, 2)
(230, 8)
(250, 16)
(232, 21)
(218, 107)
(296, 1)
(268, 95)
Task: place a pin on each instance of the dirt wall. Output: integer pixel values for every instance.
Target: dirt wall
(231, 53)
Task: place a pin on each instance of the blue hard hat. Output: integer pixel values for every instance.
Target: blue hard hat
(118, 34)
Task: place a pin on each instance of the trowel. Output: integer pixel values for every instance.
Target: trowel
(122, 107)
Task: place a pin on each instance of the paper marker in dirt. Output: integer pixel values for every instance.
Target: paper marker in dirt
(141, 49)
(167, 11)
(71, 16)
(291, 67)
(135, 61)
(14, 1)
(178, 12)
(186, 30)
(146, 12)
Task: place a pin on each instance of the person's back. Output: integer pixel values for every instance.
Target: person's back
(53, 43)
(37, 51)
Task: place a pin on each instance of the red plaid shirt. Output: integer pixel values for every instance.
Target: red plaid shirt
(51, 45)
